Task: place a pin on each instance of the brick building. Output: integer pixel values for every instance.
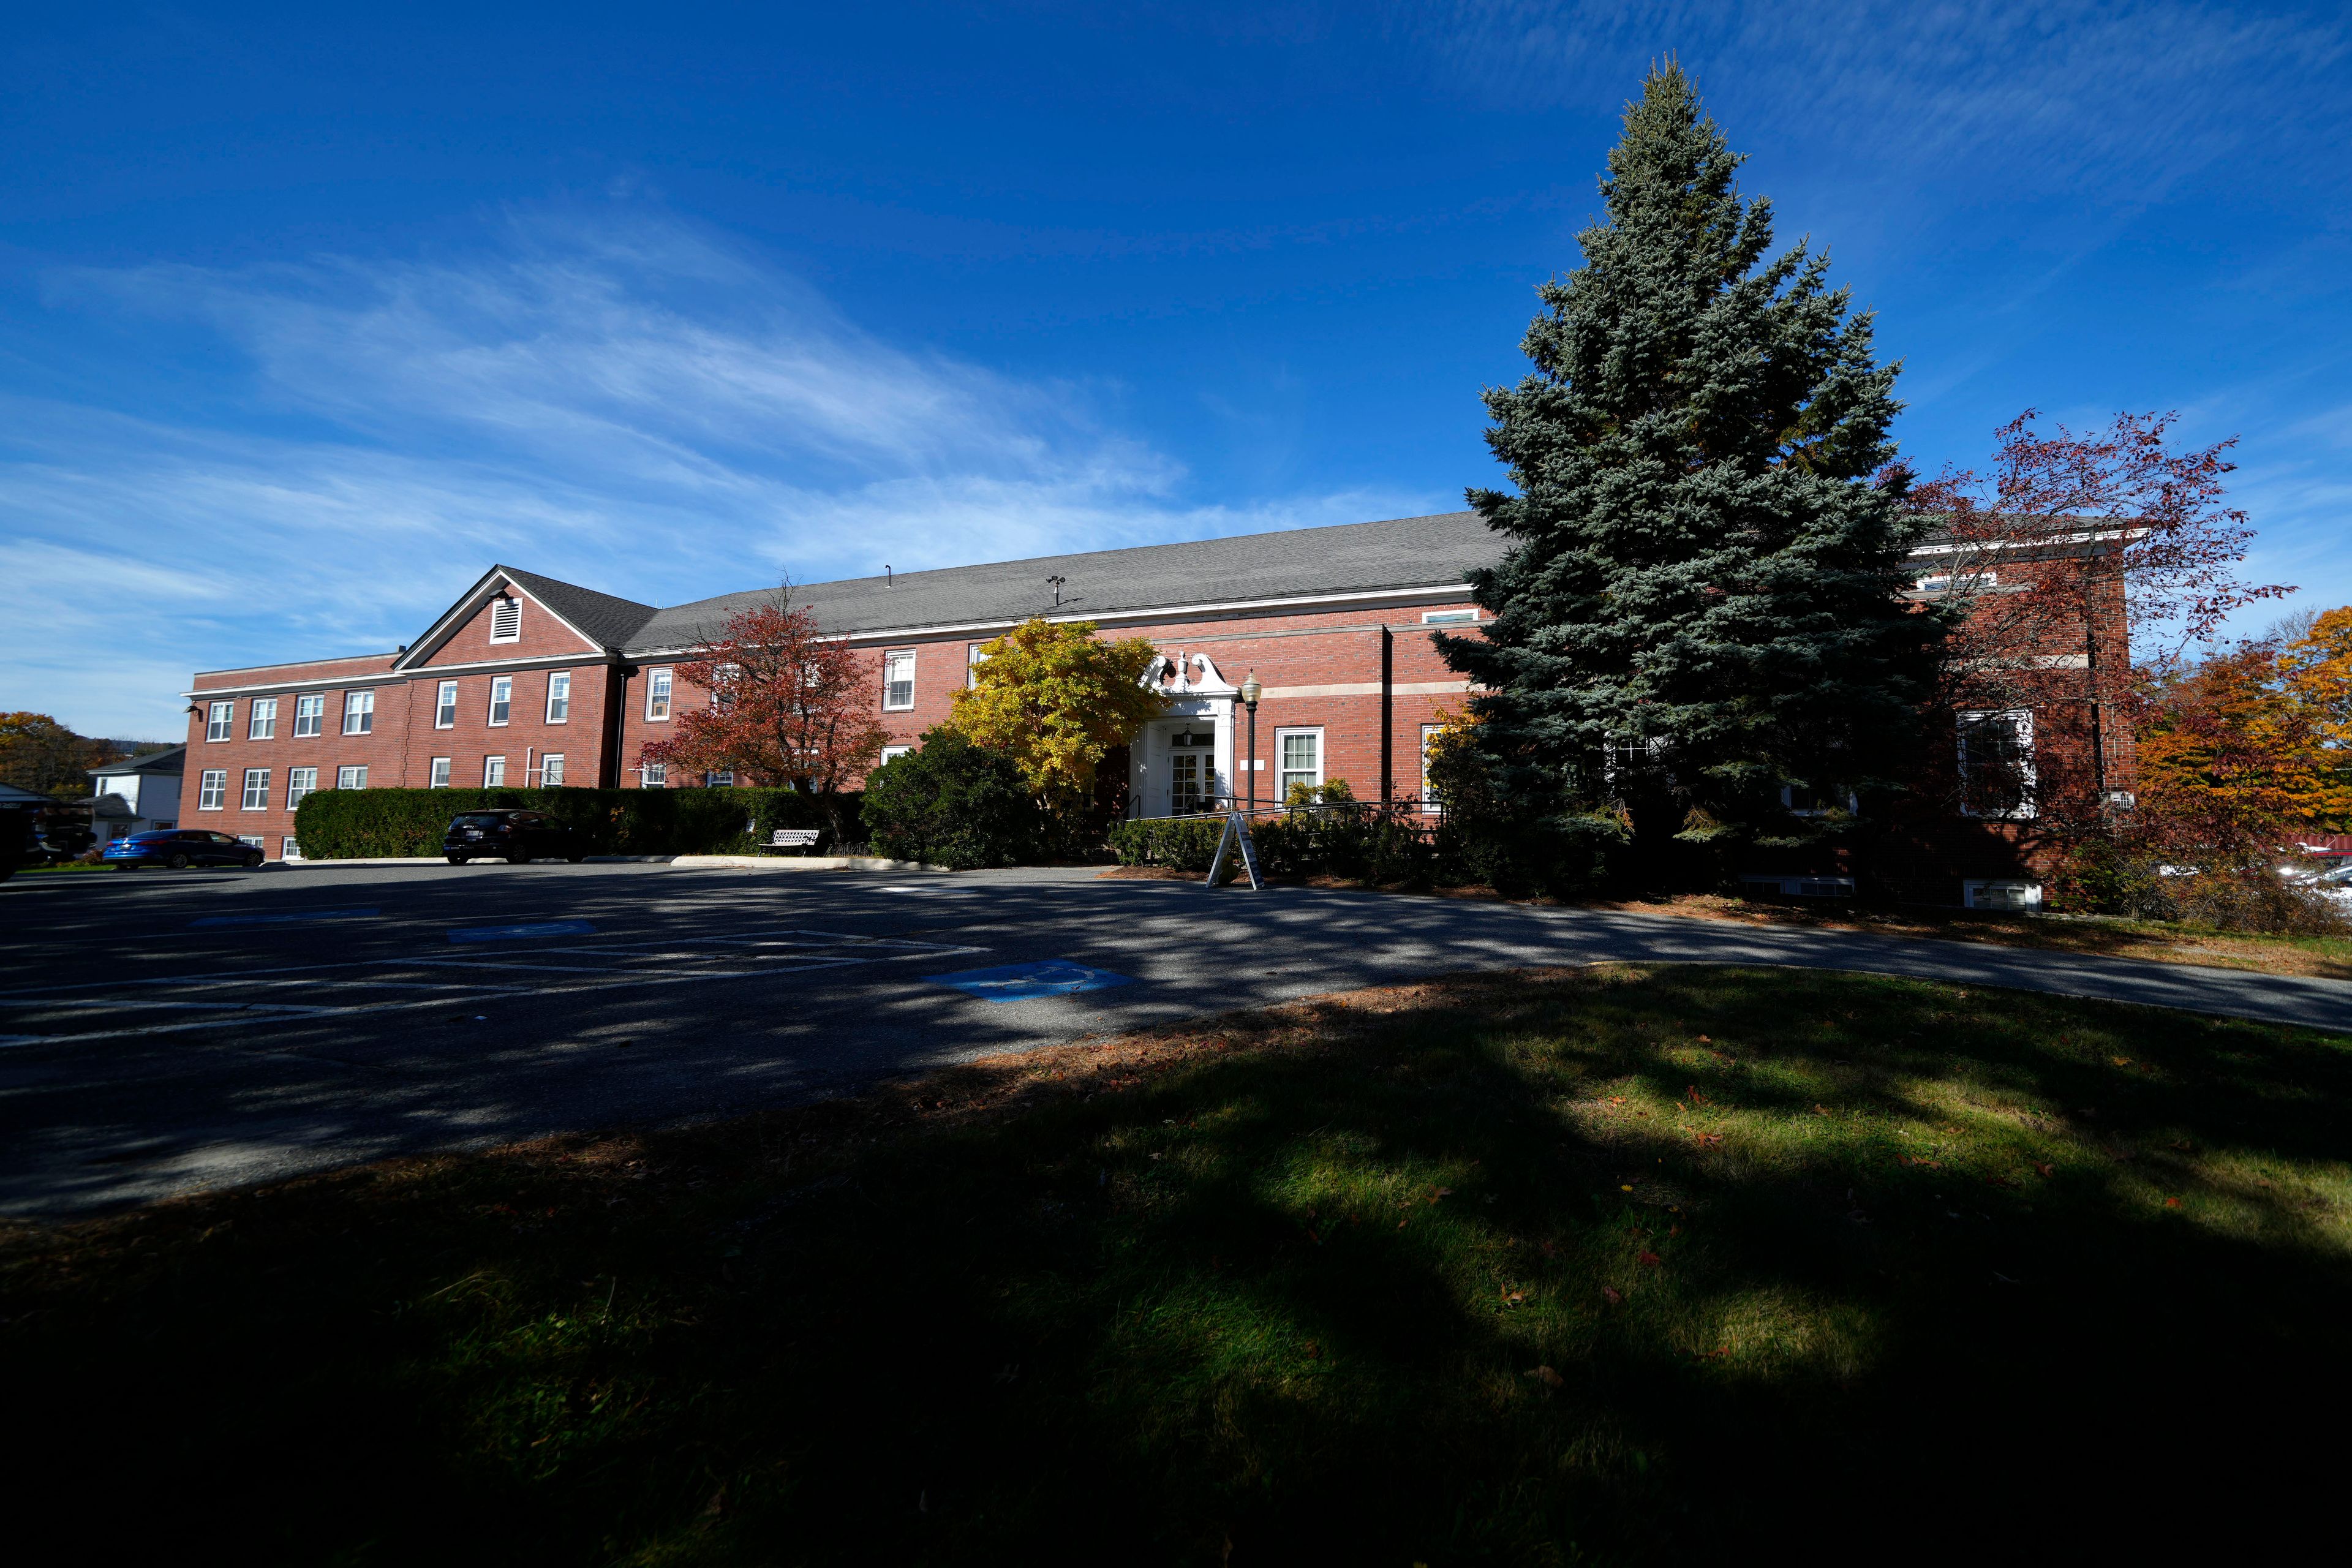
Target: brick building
(528, 680)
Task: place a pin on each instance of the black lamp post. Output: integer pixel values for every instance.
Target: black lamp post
(1250, 691)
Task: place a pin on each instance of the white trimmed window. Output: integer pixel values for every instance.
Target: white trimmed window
(1298, 759)
(352, 776)
(898, 681)
(494, 772)
(309, 715)
(559, 697)
(288, 849)
(444, 706)
(1996, 755)
(256, 790)
(300, 782)
(551, 769)
(252, 840)
(655, 775)
(506, 619)
(1448, 618)
(891, 753)
(1428, 733)
(720, 778)
(974, 657)
(657, 683)
(263, 724)
(220, 718)
(501, 699)
(438, 778)
(212, 789)
(359, 713)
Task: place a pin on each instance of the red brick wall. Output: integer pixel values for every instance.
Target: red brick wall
(379, 750)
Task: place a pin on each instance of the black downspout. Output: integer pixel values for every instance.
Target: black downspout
(608, 774)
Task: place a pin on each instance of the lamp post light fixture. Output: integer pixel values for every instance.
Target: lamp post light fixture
(1250, 693)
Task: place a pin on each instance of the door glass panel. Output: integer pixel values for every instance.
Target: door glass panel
(1184, 782)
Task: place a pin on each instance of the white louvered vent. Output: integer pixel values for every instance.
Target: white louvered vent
(506, 620)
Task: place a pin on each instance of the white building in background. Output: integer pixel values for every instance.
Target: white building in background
(137, 794)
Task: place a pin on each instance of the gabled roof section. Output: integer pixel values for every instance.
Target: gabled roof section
(1298, 562)
(170, 760)
(601, 621)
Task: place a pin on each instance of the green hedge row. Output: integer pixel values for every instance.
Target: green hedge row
(1367, 846)
(357, 823)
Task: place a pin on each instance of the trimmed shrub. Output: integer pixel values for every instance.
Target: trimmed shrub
(350, 824)
(951, 803)
(1183, 843)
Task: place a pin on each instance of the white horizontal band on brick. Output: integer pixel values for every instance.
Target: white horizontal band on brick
(1370, 689)
(2038, 661)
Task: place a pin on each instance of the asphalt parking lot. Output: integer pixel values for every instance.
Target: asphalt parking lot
(166, 1031)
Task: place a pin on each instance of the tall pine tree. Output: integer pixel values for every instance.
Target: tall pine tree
(1701, 604)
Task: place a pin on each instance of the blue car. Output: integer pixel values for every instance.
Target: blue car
(180, 850)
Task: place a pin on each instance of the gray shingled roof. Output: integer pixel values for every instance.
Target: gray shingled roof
(168, 760)
(1401, 553)
(610, 621)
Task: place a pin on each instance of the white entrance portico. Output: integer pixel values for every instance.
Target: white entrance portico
(1184, 762)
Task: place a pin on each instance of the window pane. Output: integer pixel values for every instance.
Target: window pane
(213, 789)
(501, 698)
(657, 694)
(445, 706)
(559, 699)
(300, 782)
(265, 719)
(440, 775)
(352, 777)
(551, 769)
(899, 680)
(309, 712)
(494, 772)
(256, 790)
(218, 718)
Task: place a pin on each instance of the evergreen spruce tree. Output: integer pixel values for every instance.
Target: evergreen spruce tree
(1701, 602)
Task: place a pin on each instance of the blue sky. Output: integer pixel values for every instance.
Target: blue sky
(309, 314)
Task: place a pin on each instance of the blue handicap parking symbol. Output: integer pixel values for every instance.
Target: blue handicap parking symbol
(504, 933)
(1019, 982)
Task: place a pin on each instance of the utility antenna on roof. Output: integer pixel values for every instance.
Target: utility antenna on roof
(1057, 580)
(888, 580)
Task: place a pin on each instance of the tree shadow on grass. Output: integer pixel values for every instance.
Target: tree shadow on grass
(1462, 1272)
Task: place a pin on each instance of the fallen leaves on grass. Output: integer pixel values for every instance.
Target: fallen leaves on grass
(1649, 1259)
(1546, 1376)
(1615, 1298)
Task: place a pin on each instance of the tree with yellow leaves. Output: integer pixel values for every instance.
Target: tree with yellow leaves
(1054, 698)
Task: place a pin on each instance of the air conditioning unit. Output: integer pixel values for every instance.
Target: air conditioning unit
(1797, 887)
(1995, 893)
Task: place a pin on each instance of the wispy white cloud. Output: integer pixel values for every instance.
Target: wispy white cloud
(2120, 98)
(622, 402)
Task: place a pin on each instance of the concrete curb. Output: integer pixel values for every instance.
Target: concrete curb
(691, 862)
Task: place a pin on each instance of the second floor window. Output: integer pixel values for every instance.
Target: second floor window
(445, 706)
(559, 697)
(220, 718)
(973, 657)
(501, 698)
(898, 681)
(657, 694)
(256, 790)
(309, 714)
(359, 713)
(212, 789)
(352, 776)
(300, 782)
(264, 723)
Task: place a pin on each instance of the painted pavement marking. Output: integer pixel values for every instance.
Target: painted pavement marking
(510, 933)
(1021, 982)
(293, 917)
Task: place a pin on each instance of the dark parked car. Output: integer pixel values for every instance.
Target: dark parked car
(513, 835)
(180, 850)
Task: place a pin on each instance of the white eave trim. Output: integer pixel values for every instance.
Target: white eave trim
(1304, 602)
(402, 677)
(2087, 536)
(442, 630)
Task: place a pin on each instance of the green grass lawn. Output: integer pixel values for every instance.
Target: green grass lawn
(1596, 1266)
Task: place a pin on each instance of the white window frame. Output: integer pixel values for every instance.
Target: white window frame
(212, 789)
(508, 608)
(2012, 894)
(1428, 733)
(253, 841)
(220, 721)
(444, 706)
(653, 775)
(559, 697)
(550, 770)
(2021, 721)
(660, 694)
(359, 713)
(257, 791)
(437, 774)
(892, 754)
(1449, 617)
(1281, 775)
(351, 775)
(901, 658)
(300, 782)
(974, 657)
(502, 701)
(261, 719)
(494, 770)
(289, 848)
(309, 715)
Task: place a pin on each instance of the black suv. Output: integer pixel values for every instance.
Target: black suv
(513, 836)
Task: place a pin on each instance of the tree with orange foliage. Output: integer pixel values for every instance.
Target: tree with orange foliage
(789, 706)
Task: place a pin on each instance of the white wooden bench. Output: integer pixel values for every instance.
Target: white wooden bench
(800, 838)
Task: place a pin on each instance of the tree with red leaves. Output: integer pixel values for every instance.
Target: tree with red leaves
(789, 706)
(2070, 541)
